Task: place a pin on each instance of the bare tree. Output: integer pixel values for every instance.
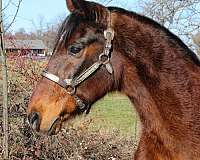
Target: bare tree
(181, 17)
(5, 87)
(15, 14)
(4, 73)
(46, 31)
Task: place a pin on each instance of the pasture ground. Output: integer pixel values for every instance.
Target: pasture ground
(113, 112)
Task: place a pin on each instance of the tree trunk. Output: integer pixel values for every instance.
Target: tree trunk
(5, 87)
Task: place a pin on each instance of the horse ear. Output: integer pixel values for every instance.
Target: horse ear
(90, 10)
(73, 5)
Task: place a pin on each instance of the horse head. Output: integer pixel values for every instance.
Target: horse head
(81, 70)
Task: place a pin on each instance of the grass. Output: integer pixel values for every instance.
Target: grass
(113, 112)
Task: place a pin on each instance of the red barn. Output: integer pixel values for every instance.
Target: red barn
(25, 47)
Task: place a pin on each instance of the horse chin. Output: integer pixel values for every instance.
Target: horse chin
(57, 124)
(55, 127)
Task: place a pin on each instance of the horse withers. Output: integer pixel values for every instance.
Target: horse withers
(103, 49)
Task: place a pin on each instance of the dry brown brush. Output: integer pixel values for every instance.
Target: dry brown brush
(76, 143)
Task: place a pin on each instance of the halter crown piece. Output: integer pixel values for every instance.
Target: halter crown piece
(104, 60)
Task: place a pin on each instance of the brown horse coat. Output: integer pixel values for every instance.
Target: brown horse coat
(153, 67)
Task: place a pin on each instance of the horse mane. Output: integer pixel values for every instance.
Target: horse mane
(74, 19)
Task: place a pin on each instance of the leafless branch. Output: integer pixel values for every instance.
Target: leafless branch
(6, 6)
(181, 17)
(15, 15)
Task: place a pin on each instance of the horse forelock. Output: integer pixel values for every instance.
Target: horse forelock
(69, 25)
(67, 28)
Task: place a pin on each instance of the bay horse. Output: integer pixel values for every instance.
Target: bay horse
(103, 49)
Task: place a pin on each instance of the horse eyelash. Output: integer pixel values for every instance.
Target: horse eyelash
(85, 42)
(78, 45)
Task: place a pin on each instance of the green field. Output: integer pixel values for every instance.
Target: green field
(112, 113)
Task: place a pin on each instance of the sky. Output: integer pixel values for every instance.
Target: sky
(49, 11)
(31, 11)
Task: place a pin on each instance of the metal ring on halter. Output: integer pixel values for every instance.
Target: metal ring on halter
(72, 90)
(107, 58)
(109, 33)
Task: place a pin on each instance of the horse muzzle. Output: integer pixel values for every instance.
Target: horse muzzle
(50, 129)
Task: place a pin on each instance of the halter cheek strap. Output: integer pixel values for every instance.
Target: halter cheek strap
(104, 60)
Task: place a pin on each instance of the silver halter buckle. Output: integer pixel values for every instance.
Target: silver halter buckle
(109, 34)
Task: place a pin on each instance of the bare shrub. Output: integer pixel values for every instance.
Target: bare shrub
(74, 143)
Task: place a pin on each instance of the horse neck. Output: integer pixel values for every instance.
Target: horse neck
(157, 75)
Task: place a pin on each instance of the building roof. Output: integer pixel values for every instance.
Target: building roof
(24, 44)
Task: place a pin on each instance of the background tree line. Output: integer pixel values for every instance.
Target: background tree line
(180, 16)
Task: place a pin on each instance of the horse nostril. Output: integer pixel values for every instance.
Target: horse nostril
(34, 120)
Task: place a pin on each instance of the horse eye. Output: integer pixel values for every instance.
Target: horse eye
(74, 50)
